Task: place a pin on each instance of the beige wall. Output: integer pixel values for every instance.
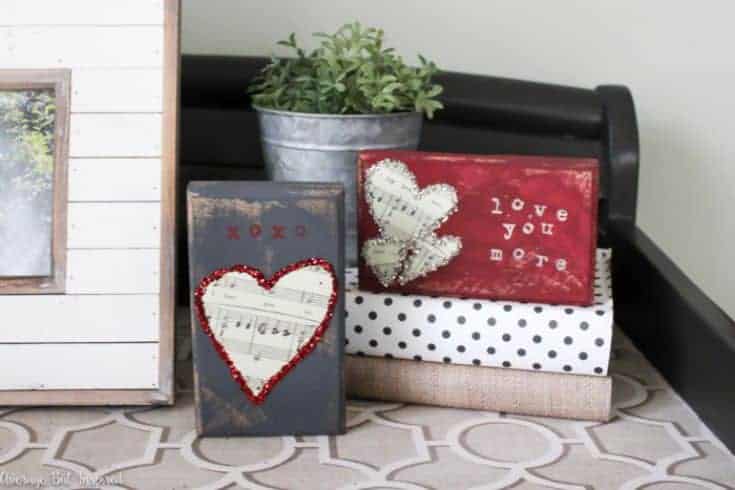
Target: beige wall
(677, 58)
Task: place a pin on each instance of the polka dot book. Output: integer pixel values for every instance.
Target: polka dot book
(505, 334)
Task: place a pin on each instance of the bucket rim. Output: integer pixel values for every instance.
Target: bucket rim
(318, 115)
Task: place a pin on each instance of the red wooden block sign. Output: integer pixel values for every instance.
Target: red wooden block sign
(520, 228)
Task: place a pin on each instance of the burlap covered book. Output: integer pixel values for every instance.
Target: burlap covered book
(476, 387)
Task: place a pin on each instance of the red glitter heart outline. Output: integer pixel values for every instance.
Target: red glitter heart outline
(266, 284)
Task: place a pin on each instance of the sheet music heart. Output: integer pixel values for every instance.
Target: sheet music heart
(385, 258)
(399, 208)
(262, 328)
(407, 217)
(428, 254)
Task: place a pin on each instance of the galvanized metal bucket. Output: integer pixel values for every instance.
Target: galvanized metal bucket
(300, 147)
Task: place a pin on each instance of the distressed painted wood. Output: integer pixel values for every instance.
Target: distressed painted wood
(167, 258)
(87, 318)
(115, 135)
(79, 366)
(504, 227)
(117, 90)
(72, 46)
(114, 179)
(114, 225)
(127, 271)
(309, 219)
(81, 12)
(74, 397)
(124, 62)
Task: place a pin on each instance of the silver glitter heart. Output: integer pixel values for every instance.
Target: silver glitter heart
(402, 211)
(385, 258)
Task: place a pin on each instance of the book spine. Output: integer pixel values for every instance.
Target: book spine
(483, 388)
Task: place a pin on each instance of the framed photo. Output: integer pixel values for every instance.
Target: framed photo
(34, 130)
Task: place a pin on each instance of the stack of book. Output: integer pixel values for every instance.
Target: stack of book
(528, 358)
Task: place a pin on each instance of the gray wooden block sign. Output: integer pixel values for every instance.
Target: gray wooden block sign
(266, 264)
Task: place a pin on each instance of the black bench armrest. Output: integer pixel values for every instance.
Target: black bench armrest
(684, 334)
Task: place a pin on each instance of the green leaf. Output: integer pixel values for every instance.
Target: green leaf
(349, 72)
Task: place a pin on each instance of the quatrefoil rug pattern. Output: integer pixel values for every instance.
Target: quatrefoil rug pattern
(654, 442)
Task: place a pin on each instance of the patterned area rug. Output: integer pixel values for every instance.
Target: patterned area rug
(654, 442)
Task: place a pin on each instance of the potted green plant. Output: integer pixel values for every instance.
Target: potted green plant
(318, 109)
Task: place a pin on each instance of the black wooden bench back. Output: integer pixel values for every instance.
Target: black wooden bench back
(220, 140)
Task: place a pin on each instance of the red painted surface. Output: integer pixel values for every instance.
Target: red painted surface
(560, 184)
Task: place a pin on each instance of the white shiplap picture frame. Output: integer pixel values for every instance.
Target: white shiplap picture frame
(107, 338)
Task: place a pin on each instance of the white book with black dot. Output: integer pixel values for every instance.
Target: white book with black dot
(500, 334)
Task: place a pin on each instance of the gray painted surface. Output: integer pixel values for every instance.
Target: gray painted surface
(311, 398)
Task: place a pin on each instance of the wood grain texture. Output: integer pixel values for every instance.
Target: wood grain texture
(81, 12)
(114, 225)
(73, 46)
(169, 159)
(80, 366)
(87, 318)
(125, 112)
(75, 397)
(114, 179)
(59, 80)
(117, 90)
(115, 135)
(126, 271)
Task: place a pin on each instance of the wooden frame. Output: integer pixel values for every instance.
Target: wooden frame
(169, 158)
(59, 80)
(163, 394)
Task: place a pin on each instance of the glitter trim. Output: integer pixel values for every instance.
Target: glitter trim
(409, 245)
(267, 284)
(403, 251)
(430, 240)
